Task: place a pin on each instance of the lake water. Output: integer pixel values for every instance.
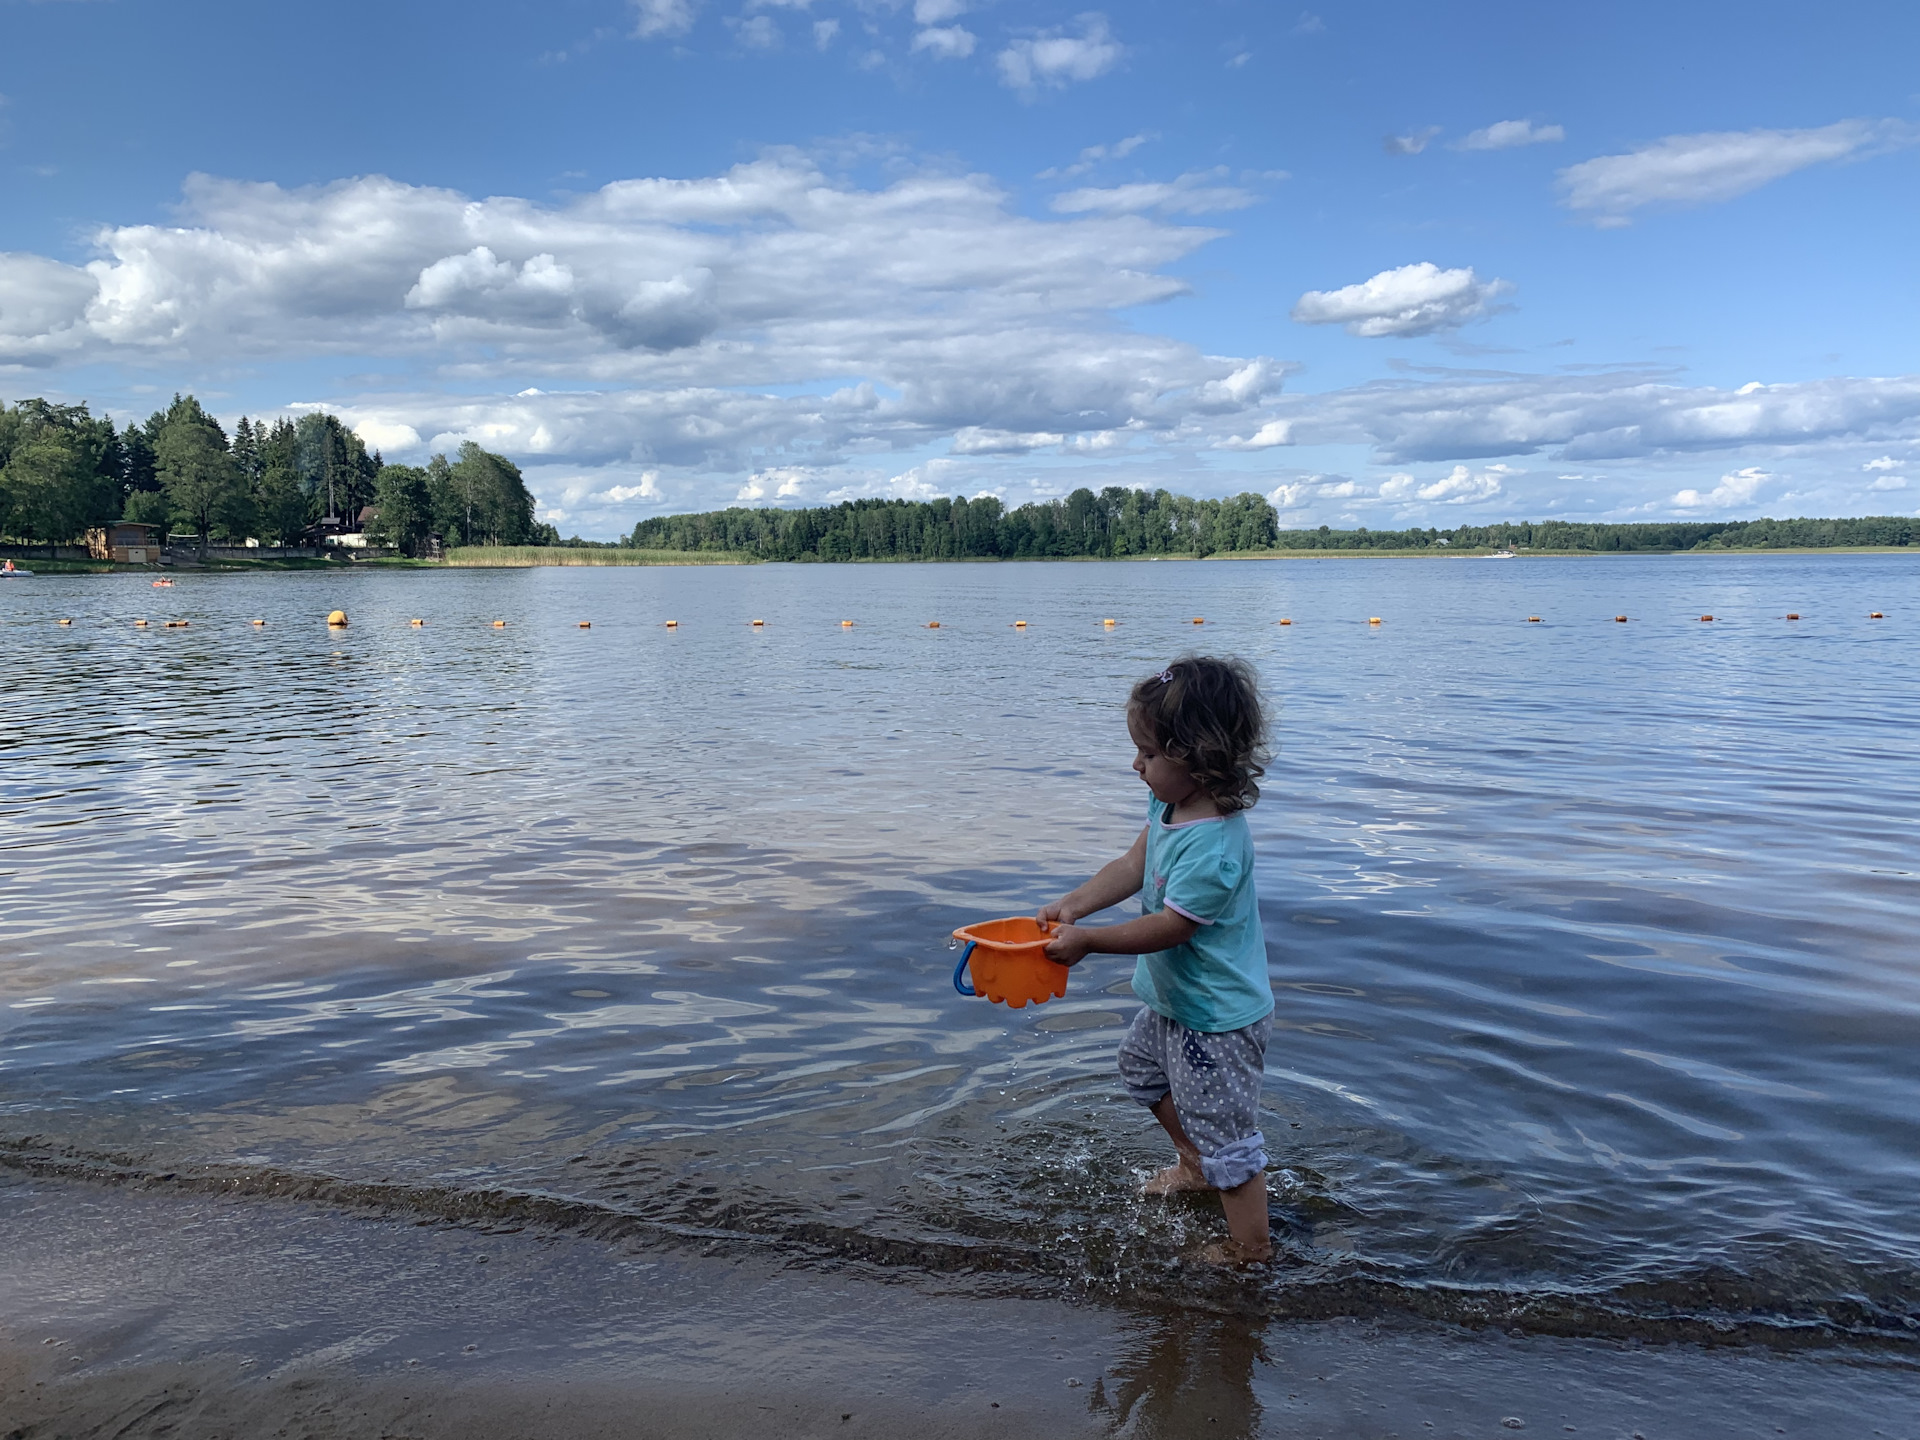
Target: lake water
(1593, 942)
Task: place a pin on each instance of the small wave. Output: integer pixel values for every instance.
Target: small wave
(1705, 1307)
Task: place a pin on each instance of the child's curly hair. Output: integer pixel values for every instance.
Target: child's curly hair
(1205, 713)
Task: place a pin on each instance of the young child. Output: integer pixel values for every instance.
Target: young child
(1196, 1051)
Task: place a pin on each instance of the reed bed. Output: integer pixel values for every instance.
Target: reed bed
(518, 557)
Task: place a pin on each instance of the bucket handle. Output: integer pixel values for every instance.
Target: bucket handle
(960, 970)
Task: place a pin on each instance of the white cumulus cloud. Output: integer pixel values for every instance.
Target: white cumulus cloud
(1705, 169)
(1056, 58)
(945, 42)
(1412, 300)
(1274, 432)
(1460, 486)
(978, 440)
(384, 436)
(1735, 489)
(933, 12)
(780, 482)
(1313, 489)
(1510, 134)
(691, 327)
(43, 306)
(648, 488)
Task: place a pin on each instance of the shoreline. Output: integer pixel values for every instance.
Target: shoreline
(338, 567)
(140, 1313)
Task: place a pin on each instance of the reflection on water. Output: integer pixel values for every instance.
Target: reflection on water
(1190, 1375)
(1592, 942)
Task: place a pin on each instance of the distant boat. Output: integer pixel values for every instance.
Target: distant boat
(7, 572)
(1501, 555)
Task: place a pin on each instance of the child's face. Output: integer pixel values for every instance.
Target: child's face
(1170, 781)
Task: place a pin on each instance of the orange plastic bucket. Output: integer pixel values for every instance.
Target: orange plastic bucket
(1009, 962)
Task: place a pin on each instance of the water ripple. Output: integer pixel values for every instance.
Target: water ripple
(1593, 943)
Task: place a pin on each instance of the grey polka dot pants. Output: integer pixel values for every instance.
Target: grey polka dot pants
(1215, 1083)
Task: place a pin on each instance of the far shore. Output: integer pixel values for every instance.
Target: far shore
(531, 557)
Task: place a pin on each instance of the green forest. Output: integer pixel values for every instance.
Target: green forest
(1118, 522)
(64, 471)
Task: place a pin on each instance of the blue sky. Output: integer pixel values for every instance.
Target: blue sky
(1386, 263)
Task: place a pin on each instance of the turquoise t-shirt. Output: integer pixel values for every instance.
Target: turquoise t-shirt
(1203, 869)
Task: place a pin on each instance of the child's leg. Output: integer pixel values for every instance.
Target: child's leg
(1246, 1207)
(1213, 1105)
(1184, 1174)
(1143, 1063)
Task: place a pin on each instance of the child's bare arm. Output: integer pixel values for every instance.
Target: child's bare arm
(1116, 881)
(1161, 931)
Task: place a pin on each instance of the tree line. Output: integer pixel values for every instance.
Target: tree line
(1118, 522)
(63, 471)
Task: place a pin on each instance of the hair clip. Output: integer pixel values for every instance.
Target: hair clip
(1165, 676)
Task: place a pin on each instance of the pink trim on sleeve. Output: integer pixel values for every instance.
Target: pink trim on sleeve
(1198, 920)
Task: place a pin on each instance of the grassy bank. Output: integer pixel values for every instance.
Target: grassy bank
(515, 557)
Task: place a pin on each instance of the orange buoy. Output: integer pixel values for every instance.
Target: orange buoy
(1109, 623)
(256, 622)
(176, 624)
(933, 624)
(586, 624)
(1875, 615)
(416, 623)
(846, 624)
(1008, 961)
(1705, 618)
(141, 624)
(1793, 615)
(756, 623)
(1620, 619)
(1199, 619)
(337, 618)
(63, 622)
(673, 624)
(1533, 619)
(499, 624)
(1283, 622)
(1019, 624)
(1373, 620)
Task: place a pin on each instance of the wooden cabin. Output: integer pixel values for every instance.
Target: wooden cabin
(127, 541)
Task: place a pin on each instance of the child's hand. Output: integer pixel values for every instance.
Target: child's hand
(1070, 945)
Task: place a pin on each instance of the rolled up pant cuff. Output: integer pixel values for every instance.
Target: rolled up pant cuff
(1233, 1165)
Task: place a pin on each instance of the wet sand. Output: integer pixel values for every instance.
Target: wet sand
(134, 1314)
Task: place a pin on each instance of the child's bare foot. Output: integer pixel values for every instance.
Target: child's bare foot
(1176, 1179)
(1232, 1252)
